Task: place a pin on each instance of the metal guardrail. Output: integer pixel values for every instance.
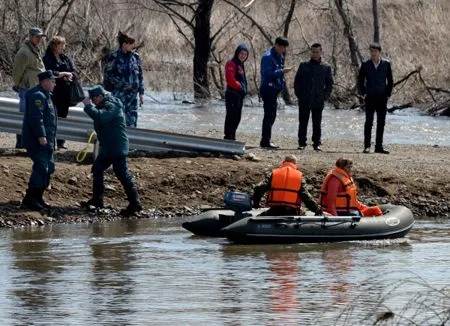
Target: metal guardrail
(78, 126)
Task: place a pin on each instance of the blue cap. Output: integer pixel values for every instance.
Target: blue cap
(96, 91)
(46, 75)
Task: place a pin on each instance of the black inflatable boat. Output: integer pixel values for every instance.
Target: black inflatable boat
(247, 227)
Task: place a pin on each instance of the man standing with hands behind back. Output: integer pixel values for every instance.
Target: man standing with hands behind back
(313, 85)
(376, 83)
(272, 83)
(26, 67)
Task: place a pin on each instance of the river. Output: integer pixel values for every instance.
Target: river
(152, 272)
(402, 127)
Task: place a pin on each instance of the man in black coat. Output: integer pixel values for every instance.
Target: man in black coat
(313, 85)
(375, 82)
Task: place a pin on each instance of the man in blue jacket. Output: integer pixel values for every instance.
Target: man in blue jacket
(272, 83)
(109, 124)
(376, 83)
(38, 137)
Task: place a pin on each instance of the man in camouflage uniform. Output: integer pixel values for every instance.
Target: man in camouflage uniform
(123, 77)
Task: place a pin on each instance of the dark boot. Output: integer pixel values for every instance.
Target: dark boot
(30, 201)
(40, 199)
(96, 202)
(135, 205)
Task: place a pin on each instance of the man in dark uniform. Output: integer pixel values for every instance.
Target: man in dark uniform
(38, 137)
(109, 124)
(287, 190)
(376, 83)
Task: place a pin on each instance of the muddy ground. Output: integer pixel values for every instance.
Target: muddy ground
(172, 185)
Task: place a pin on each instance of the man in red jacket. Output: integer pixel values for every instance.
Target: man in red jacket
(338, 195)
(236, 90)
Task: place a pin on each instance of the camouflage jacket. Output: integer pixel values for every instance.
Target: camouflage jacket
(123, 72)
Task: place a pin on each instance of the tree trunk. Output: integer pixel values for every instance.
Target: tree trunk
(202, 50)
(287, 23)
(376, 25)
(355, 55)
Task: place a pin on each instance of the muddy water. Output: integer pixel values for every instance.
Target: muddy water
(152, 272)
(402, 127)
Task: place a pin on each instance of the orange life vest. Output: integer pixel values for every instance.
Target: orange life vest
(346, 200)
(285, 185)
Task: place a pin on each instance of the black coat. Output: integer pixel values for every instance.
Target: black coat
(61, 93)
(313, 84)
(378, 82)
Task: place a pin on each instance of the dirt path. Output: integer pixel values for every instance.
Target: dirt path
(415, 176)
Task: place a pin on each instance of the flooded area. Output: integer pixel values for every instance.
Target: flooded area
(152, 272)
(402, 127)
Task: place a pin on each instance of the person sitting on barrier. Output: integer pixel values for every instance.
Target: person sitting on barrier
(287, 190)
(338, 195)
(39, 138)
(109, 124)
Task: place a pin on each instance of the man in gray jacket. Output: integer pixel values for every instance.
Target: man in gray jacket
(313, 85)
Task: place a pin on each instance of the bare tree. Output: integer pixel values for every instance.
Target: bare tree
(376, 25)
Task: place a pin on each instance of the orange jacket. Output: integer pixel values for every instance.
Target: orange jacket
(285, 186)
(346, 199)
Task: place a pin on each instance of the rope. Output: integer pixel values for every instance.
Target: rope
(81, 155)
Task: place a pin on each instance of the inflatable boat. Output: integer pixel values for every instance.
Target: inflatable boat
(239, 223)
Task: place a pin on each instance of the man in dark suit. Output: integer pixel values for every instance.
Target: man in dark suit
(376, 83)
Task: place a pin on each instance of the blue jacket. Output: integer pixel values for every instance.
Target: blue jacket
(123, 72)
(272, 75)
(39, 120)
(109, 124)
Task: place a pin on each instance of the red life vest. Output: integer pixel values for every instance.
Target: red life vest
(285, 186)
(345, 200)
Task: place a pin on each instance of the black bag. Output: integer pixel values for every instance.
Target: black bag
(76, 93)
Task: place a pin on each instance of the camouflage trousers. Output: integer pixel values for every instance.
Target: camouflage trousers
(130, 106)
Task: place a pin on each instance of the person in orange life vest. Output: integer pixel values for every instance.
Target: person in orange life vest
(338, 196)
(287, 190)
(236, 90)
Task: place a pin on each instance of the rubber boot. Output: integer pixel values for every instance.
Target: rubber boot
(135, 205)
(40, 199)
(30, 201)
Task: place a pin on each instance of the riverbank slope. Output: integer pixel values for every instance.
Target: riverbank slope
(414, 176)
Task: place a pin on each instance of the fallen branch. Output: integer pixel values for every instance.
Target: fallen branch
(438, 89)
(399, 107)
(416, 71)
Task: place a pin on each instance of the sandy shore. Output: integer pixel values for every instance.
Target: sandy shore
(415, 176)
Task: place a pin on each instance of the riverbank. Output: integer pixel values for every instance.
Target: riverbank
(173, 186)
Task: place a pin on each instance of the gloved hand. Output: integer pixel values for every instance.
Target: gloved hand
(243, 88)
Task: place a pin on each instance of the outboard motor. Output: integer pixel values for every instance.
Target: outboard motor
(238, 202)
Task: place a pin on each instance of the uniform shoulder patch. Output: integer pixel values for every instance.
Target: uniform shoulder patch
(38, 103)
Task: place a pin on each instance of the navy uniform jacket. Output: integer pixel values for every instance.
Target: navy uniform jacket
(123, 72)
(109, 124)
(39, 120)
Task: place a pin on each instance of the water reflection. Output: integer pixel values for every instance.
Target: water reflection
(112, 283)
(36, 266)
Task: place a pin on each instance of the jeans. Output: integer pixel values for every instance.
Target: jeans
(22, 107)
(233, 104)
(270, 113)
(303, 119)
(378, 104)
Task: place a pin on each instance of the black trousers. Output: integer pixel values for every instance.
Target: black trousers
(378, 104)
(270, 114)
(303, 119)
(233, 104)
